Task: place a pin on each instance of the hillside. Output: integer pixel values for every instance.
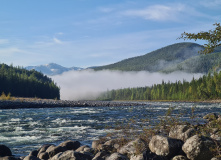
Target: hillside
(20, 82)
(158, 60)
(198, 64)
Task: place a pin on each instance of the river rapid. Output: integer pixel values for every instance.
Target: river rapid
(24, 130)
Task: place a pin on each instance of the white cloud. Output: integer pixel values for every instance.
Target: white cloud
(157, 12)
(57, 41)
(4, 41)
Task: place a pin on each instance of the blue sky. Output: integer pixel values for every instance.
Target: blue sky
(86, 33)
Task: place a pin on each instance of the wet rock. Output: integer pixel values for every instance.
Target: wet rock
(5, 151)
(117, 156)
(8, 158)
(85, 148)
(33, 153)
(70, 145)
(182, 132)
(137, 157)
(69, 155)
(180, 157)
(43, 148)
(31, 158)
(134, 147)
(165, 146)
(52, 151)
(43, 155)
(96, 143)
(198, 148)
(152, 156)
(102, 155)
(215, 158)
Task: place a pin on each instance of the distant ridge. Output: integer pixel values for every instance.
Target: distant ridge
(157, 60)
(52, 69)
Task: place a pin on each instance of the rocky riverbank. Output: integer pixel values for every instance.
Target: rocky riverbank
(44, 103)
(184, 142)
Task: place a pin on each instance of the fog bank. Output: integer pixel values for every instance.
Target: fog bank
(88, 84)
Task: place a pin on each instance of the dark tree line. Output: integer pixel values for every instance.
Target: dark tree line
(20, 82)
(206, 87)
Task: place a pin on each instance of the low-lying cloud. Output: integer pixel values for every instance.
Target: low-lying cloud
(88, 84)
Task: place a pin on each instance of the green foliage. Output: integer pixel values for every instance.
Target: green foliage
(205, 88)
(212, 36)
(20, 82)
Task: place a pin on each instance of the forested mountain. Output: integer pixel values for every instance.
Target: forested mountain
(20, 82)
(157, 60)
(206, 87)
(177, 57)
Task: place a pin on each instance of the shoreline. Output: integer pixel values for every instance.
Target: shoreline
(17, 103)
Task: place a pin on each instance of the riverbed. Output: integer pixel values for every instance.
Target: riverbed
(26, 129)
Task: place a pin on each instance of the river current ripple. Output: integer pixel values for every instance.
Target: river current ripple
(23, 130)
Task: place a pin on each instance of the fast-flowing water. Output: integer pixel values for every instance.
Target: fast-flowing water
(23, 130)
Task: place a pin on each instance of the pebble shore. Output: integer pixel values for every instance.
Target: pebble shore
(43, 103)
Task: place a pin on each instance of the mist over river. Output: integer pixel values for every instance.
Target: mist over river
(24, 130)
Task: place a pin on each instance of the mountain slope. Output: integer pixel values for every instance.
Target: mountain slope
(157, 60)
(198, 64)
(52, 69)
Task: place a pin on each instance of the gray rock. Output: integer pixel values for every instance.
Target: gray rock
(137, 157)
(96, 143)
(180, 157)
(70, 155)
(8, 158)
(165, 146)
(31, 158)
(101, 155)
(43, 155)
(214, 158)
(5, 151)
(117, 156)
(134, 147)
(83, 148)
(55, 150)
(182, 132)
(33, 153)
(198, 148)
(43, 148)
(70, 145)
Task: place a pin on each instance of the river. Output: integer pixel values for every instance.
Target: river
(23, 130)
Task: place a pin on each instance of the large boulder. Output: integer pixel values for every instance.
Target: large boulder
(5, 151)
(102, 155)
(55, 150)
(31, 158)
(165, 146)
(8, 158)
(43, 149)
(71, 155)
(198, 148)
(117, 156)
(182, 132)
(70, 145)
(134, 147)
